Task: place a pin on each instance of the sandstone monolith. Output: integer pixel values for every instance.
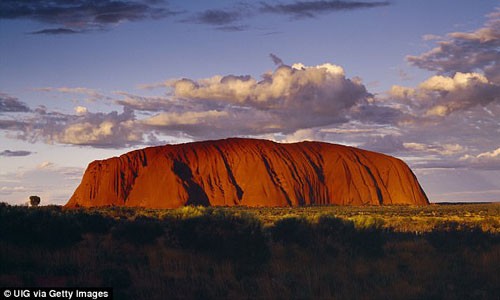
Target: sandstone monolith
(248, 172)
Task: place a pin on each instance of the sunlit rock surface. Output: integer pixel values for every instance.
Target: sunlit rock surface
(248, 172)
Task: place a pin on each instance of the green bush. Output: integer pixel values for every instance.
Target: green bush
(186, 212)
(364, 222)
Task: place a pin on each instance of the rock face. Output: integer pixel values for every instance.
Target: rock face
(248, 172)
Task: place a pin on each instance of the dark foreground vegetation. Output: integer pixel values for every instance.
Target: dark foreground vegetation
(435, 252)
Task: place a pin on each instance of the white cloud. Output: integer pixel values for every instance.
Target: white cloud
(387, 143)
(186, 118)
(442, 95)
(143, 103)
(438, 111)
(449, 84)
(91, 94)
(321, 89)
(431, 37)
(289, 99)
(81, 110)
(301, 135)
(45, 165)
(495, 154)
(401, 92)
(490, 32)
(347, 130)
(8, 190)
(82, 133)
(107, 130)
(442, 149)
(485, 160)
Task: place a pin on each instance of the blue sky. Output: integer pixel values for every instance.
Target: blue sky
(85, 80)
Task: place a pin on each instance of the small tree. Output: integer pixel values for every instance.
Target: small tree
(34, 200)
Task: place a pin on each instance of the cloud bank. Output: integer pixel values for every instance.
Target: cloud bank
(81, 16)
(74, 16)
(466, 51)
(441, 95)
(217, 17)
(487, 160)
(290, 98)
(15, 153)
(449, 120)
(11, 104)
(285, 100)
(232, 19)
(309, 9)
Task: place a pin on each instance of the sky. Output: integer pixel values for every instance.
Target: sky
(82, 80)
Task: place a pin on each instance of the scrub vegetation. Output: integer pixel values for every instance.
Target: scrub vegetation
(334, 252)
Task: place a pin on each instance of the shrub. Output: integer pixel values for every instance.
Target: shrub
(333, 234)
(46, 226)
(93, 222)
(116, 278)
(186, 212)
(292, 230)
(139, 231)
(453, 236)
(364, 222)
(34, 200)
(223, 236)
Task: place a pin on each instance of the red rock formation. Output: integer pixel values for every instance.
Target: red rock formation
(248, 172)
